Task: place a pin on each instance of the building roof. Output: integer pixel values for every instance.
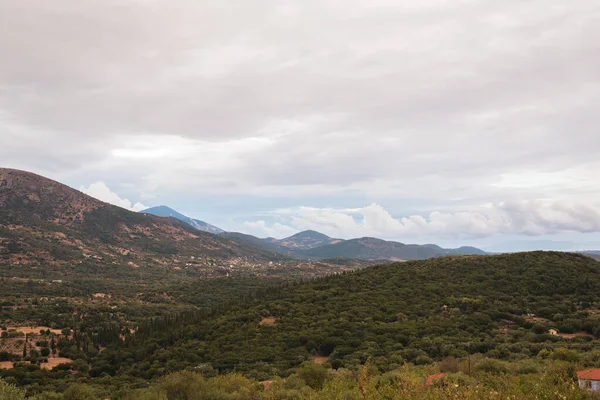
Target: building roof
(431, 379)
(589, 374)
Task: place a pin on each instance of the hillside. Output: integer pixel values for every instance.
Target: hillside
(164, 211)
(293, 246)
(372, 248)
(317, 246)
(46, 225)
(305, 240)
(416, 312)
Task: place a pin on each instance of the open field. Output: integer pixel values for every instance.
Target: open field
(53, 362)
(267, 321)
(35, 329)
(574, 335)
(320, 359)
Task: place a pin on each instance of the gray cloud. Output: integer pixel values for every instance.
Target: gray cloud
(445, 105)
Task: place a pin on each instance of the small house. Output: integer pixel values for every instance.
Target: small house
(589, 379)
(553, 332)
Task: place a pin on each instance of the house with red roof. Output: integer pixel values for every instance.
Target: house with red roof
(589, 379)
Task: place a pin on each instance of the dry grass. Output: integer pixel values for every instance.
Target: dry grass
(574, 335)
(53, 362)
(6, 364)
(267, 321)
(267, 384)
(320, 359)
(35, 329)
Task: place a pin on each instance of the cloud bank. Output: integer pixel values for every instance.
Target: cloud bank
(530, 218)
(100, 191)
(427, 108)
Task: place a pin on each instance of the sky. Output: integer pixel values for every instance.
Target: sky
(453, 122)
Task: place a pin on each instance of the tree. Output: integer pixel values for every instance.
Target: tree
(10, 392)
(313, 374)
(79, 391)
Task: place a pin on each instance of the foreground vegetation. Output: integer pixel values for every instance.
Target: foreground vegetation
(383, 329)
(520, 380)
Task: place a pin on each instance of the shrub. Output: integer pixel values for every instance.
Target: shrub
(313, 374)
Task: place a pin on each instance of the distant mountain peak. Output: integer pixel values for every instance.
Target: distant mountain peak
(46, 223)
(165, 211)
(304, 240)
(309, 234)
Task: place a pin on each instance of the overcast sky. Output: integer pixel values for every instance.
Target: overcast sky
(456, 122)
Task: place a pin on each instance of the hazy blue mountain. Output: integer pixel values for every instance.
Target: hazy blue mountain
(305, 240)
(164, 211)
(595, 254)
(315, 245)
(291, 246)
(536, 244)
(377, 249)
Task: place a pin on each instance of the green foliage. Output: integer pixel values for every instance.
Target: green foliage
(79, 391)
(10, 392)
(415, 312)
(190, 335)
(406, 383)
(313, 375)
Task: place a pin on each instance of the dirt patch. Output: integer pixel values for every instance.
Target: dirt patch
(35, 329)
(6, 365)
(574, 335)
(537, 320)
(268, 320)
(320, 359)
(267, 384)
(53, 362)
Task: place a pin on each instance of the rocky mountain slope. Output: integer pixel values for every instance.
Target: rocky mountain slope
(45, 224)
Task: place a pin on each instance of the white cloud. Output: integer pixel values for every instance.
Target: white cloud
(533, 218)
(260, 229)
(427, 107)
(100, 191)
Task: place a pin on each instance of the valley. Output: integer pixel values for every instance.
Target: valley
(96, 299)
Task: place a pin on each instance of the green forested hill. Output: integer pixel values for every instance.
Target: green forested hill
(500, 307)
(415, 311)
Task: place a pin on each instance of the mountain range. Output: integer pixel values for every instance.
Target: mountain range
(45, 224)
(311, 244)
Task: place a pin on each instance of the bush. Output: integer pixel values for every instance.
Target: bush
(10, 392)
(313, 374)
(79, 391)
(565, 354)
(449, 364)
(491, 366)
(182, 385)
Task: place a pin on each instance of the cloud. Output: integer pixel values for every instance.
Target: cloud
(100, 191)
(260, 229)
(421, 106)
(531, 218)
